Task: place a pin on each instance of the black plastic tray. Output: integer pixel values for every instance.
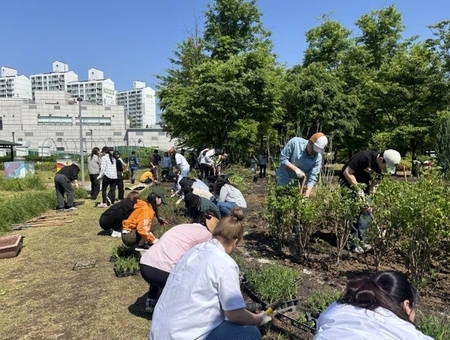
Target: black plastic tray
(127, 273)
(310, 317)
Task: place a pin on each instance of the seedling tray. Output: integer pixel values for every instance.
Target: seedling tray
(84, 264)
(125, 273)
(298, 317)
(10, 246)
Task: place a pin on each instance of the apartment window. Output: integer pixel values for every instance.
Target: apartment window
(117, 133)
(59, 134)
(28, 134)
(56, 107)
(94, 121)
(161, 133)
(154, 138)
(32, 106)
(139, 133)
(107, 108)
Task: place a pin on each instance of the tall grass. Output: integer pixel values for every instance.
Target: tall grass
(29, 182)
(25, 206)
(436, 326)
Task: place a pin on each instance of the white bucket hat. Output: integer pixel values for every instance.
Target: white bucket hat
(392, 158)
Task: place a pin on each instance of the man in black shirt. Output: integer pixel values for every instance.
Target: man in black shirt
(361, 169)
(63, 184)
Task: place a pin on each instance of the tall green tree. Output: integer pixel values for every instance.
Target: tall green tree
(443, 146)
(223, 84)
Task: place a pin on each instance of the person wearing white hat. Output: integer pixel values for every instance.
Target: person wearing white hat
(360, 169)
(300, 158)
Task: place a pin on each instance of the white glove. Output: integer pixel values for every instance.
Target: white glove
(99, 178)
(265, 318)
(155, 240)
(360, 193)
(300, 174)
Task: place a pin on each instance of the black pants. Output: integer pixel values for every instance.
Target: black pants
(262, 170)
(95, 185)
(110, 221)
(120, 185)
(112, 189)
(155, 278)
(207, 170)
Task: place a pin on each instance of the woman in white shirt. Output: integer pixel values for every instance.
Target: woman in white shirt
(203, 288)
(380, 307)
(108, 172)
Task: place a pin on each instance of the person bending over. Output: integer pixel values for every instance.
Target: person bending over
(112, 218)
(380, 307)
(157, 262)
(202, 297)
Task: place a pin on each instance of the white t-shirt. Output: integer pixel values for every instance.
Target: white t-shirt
(182, 162)
(165, 254)
(203, 284)
(341, 321)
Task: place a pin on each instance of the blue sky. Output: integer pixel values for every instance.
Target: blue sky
(132, 40)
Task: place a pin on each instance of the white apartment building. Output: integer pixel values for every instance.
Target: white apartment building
(53, 81)
(95, 90)
(140, 105)
(13, 85)
(51, 123)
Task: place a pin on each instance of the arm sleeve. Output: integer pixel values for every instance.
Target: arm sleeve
(144, 224)
(286, 153)
(230, 295)
(102, 166)
(223, 193)
(312, 178)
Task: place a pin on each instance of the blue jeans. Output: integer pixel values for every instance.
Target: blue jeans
(232, 331)
(184, 173)
(360, 226)
(226, 207)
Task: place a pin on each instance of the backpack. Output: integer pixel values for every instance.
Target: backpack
(132, 160)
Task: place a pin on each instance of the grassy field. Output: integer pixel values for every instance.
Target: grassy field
(41, 297)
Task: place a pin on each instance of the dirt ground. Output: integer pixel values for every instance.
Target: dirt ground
(41, 297)
(320, 270)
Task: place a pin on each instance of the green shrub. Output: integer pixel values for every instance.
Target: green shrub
(273, 282)
(434, 325)
(239, 176)
(320, 299)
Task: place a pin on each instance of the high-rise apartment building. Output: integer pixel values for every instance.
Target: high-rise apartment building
(13, 85)
(53, 81)
(95, 90)
(140, 105)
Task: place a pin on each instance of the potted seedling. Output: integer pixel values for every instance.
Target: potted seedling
(126, 266)
(119, 251)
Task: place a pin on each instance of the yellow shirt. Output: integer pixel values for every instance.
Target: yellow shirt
(145, 176)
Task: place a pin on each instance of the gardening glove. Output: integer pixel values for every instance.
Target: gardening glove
(155, 240)
(360, 194)
(75, 184)
(265, 318)
(99, 178)
(300, 174)
(163, 221)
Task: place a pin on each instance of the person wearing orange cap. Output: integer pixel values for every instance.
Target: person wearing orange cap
(300, 158)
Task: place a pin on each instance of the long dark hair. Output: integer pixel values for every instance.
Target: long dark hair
(105, 149)
(205, 215)
(152, 200)
(388, 289)
(94, 152)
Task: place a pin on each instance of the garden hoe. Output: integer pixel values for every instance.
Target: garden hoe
(273, 307)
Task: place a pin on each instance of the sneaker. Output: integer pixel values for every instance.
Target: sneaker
(150, 305)
(116, 234)
(357, 249)
(108, 200)
(144, 247)
(102, 205)
(72, 208)
(367, 247)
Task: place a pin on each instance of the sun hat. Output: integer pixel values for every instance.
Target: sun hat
(160, 193)
(211, 222)
(392, 158)
(319, 141)
(191, 200)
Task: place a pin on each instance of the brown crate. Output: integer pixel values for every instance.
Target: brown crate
(10, 246)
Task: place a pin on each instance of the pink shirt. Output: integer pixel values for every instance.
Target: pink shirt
(165, 254)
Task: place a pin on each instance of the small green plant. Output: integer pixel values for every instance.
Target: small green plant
(304, 320)
(121, 251)
(273, 282)
(436, 326)
(320, 299)
(126, 264)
